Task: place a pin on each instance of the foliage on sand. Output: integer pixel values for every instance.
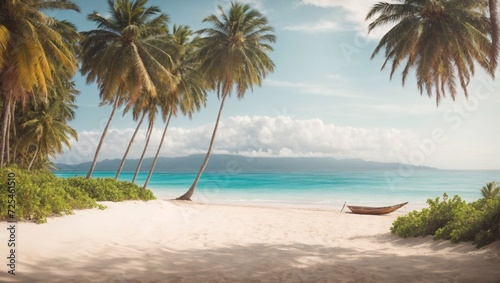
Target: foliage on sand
(39, 194)
(108, 189)
(453, 219)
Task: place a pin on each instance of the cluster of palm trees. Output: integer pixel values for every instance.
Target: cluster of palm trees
(150, 71)
(37, 63)
(138, 63)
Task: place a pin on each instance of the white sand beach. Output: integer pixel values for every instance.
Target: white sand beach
(167, 241)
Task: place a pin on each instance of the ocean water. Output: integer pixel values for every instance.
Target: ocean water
(316, 190)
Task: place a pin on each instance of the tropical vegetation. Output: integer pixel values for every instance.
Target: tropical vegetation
(454, 219)
(37, 63)
(39, 194)
(127, 55)
(137, 63)
(442, 40)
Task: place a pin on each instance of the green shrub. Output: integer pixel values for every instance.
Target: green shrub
(107, 189)
(453, 220)
(40, 194)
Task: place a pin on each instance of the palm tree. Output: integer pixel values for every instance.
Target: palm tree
(41, 129)
(491, 190)
(441, 39)
(47, 135)
(31, 49)
(234, 53)
(124, 53)
(191, 89)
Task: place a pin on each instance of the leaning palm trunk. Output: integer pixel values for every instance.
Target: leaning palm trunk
(115, 105)
(10, 126)
(5, 127)
(495, 34)
(129, 146)
(189, 193)
(34, 158)
(157, 152)
(12, 159)
(149, 133)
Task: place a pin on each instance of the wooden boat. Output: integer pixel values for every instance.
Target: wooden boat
(375, 210)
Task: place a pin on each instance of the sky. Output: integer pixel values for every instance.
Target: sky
(326, 97)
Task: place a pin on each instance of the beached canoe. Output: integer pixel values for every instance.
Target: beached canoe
(375, 210)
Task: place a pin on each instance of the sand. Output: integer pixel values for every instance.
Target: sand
(168, 241)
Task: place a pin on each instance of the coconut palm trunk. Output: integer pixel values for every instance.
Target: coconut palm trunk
(9, 129)
(34, 158)
(129, 146)
(157, 152)
(495, 34)
(115, 105)
(139, 164)
(12, 120)
(189, 193)
(5, 128)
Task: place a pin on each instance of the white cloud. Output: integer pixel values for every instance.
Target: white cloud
(254, 4)
(395, 109)
(314, 89)
(255, 136)
(322, 26)
(353, 12)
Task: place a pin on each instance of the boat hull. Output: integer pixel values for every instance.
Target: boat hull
(375, 210)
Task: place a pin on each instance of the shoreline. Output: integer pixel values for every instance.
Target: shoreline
(331, 189)
(277, 205)
(324, 205)
(174, 241)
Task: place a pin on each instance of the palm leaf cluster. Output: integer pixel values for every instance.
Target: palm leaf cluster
(127, 51)
(37, 62)
(442, 40)
(491, 190)
(237, 44)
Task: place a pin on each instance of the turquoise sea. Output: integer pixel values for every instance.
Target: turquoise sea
(316, 190)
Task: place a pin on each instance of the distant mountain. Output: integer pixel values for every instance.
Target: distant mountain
(237, 163)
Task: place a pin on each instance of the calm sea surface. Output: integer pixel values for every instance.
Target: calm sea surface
(316, 190)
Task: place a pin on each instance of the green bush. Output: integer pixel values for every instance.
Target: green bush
(107, 189)
(453, 220)
(39, 194)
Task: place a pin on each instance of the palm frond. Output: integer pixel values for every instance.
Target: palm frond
(442, 40)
